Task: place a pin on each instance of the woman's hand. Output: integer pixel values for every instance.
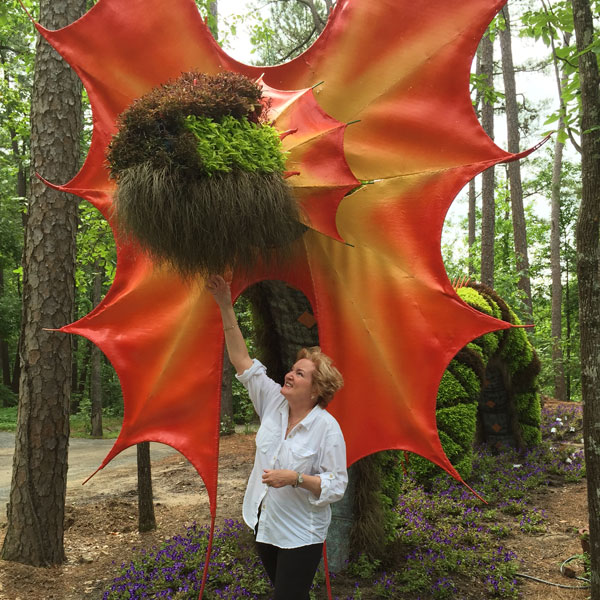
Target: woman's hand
(279, 477)
(220, 290)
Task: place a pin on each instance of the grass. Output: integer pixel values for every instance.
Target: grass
(8, 418)
(447, 544)
(79, 423)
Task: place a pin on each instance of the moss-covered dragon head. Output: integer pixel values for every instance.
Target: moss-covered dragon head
(200, 176)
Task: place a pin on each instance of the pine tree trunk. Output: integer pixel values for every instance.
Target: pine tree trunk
(472, 225)
(213, 8)
(4, 357)
(514, 167)
(96, 361)
(488, 206)
(146, 518)
(588, 274)
(16, 372)
(560, 390)
(36, 509)
(226, 395)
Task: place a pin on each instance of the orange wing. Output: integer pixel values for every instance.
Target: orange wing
(386, 311)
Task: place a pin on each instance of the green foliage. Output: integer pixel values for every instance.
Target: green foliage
(468, 378)
(554, 27)
(287, 30)
(8, 400)
(199, 177)
(153, 128)
(16, 69)
(232, 144)
(363, 566)
(474, 299)
(79, 423)
(517, 350)
(450, 391)
(532, 435)
(80, 426)
(459, 421)
(392, 480)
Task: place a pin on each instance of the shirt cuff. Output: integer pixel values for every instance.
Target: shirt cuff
(255, 368)
(331, 490)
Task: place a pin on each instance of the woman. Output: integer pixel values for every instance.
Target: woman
(300, 463)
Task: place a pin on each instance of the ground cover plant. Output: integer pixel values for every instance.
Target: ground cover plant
(447, 543)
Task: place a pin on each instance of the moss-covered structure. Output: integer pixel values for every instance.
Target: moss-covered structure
(200, 176)
(488, 393)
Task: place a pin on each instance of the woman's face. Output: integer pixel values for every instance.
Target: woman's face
(297, 384)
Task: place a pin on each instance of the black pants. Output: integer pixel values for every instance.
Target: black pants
(291, 570)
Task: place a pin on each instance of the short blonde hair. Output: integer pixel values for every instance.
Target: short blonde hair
(327, 380)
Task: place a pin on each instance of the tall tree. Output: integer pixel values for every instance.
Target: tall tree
(514, 167)
(488, 208)
(96, 361)
(560, 389)
(560, 382)
(588, 270)
(292, 26)
(37, 499)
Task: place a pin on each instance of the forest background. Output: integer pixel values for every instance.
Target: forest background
(513, 228)
(539, 280)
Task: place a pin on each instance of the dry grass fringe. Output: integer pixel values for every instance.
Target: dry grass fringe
(207, 225)
(368, 531)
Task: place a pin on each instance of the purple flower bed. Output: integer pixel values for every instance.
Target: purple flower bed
(448, 544)
(174, 570)
(562, 422)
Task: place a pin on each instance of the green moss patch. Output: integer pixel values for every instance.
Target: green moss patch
(200, 176)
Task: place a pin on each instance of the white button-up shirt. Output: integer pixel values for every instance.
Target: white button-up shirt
(291, 517)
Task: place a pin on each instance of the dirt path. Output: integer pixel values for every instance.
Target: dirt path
(101, 517)
(102, 526)
(85, 456)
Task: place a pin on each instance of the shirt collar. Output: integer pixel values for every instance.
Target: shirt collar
(308, 419)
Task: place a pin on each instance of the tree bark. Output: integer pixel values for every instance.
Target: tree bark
(488, 207)
(146, 518)
(560, 390)
(36, 509)
(226, 394)
(588, 275)
(4, 357)
(514, 167)
(472, 225)
(213, 24)
(96, 361)
(16, 374)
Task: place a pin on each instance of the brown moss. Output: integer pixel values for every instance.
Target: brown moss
(152, 128)
(210, 225)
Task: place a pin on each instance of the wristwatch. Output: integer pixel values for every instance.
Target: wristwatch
(299, 479)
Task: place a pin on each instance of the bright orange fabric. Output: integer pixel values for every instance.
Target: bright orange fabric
(385, 308)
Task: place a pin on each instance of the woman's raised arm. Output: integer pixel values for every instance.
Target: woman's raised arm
(236, 345)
